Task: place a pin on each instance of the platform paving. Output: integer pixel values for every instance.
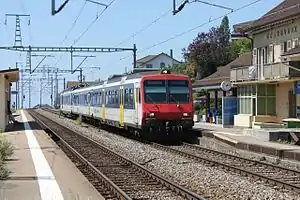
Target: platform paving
(235, 137)
(40, 170)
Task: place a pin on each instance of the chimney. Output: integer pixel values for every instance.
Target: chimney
(171, 53)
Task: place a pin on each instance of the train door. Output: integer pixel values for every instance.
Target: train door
(103, 104)
(121, 96)
(89, 103)
(137, 103)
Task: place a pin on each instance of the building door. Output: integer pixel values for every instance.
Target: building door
(292, 104)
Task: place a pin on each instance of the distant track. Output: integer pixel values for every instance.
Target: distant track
(113, 175)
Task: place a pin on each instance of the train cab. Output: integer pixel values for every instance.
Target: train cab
(167, 102)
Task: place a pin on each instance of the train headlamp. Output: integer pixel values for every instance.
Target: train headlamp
(165, 71)
(185, 114)
(151, 115)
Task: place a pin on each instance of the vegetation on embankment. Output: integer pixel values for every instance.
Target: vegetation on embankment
(6, 150)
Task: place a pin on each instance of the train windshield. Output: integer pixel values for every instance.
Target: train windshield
(170, 91)
(179, 91)
(155, 91)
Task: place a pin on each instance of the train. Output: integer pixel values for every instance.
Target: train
(145, 103)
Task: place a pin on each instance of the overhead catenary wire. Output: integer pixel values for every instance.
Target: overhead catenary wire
(192, 29)
(87, 29)
(147, 26)
(74, 22)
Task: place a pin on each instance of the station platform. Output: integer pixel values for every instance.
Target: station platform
(39, 168)
(236, 138)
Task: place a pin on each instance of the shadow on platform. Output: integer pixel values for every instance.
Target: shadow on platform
(19, 126)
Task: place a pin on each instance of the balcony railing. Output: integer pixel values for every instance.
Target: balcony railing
(261, 72)
(276, 71)
(242, 74)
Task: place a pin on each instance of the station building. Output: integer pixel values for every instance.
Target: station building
(7, 77)
(268, 90)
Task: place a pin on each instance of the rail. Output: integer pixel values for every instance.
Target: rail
(124, 178)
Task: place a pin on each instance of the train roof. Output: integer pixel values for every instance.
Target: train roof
(137, 73)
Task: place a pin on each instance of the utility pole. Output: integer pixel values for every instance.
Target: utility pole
(41, 93)
(29, 92)
(51, 97)
(18, 35)
(22, 91)
(56, 87)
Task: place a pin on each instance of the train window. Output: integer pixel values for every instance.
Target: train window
(126, 97)
(107, 97)
(139, 91)
(130, 99)
(178, 91)
(155, 91)
(116, 97)
(100, 98)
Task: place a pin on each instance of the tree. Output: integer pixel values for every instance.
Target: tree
(239, 47)
(213, 49)
(204, 52)
(224, 41)
(185, 68)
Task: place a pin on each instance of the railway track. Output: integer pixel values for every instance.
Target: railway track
(113, 175)
(272, 174)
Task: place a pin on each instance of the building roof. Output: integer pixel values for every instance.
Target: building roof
(11, 74)
(76, 83)
(286, 9)
(223, 73)
(238, 28)
(149, 58)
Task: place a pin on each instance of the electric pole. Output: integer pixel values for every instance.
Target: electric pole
(18, 35)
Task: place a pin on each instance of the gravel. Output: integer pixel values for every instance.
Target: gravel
(223, 147)
(210, 182)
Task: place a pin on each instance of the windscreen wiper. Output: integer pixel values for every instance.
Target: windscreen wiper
(152, 101)
(174, 99)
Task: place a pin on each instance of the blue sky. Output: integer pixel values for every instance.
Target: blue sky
(120, 21)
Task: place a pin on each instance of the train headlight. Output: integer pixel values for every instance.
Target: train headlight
(151, 115)
(185, 114)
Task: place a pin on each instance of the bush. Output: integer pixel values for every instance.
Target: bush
(6, 150)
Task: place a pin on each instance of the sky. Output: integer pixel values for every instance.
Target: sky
(115, 27)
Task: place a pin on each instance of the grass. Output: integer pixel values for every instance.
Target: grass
(78, 122)
(6, 150)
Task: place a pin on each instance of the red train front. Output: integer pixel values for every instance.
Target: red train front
(167, 103)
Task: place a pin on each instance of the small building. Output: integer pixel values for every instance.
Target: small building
(268, 87)
(159, 61)
(7, 77)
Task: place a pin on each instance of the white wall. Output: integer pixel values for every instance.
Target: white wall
(3, 102)
(162, 58)
(268, 37)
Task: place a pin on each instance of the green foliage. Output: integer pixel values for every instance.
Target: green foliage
(239, 47)
(6, 150)
(184, 68)
(212, 49)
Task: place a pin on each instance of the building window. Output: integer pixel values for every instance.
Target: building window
(271, 54)
(245, 96)
(148, 65)
(289, 45)
(162, 65)
(266, 99)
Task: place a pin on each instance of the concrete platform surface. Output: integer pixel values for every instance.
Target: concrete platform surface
(40, 170)
(236, 138)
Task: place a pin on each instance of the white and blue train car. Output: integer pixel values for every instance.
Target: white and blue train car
(115, 102)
